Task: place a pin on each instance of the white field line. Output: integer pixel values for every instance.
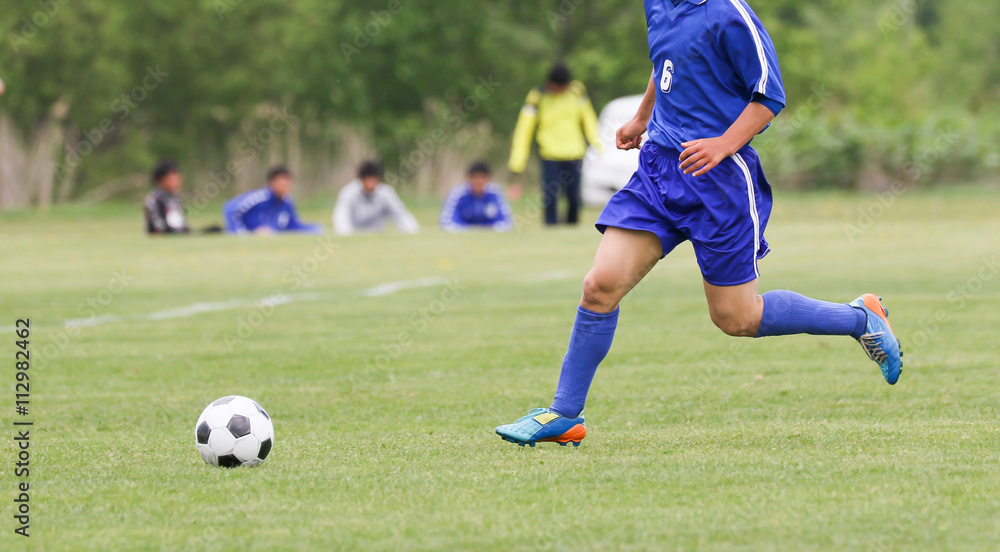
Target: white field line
(272, 301)
(380, 290)
(194, 309)
(394, 287)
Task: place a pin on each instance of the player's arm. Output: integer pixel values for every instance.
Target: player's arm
(629, 136)
(342, 223)
(504, 220)
(754, 62)
(401, 216)
(524, 132)
(588, 118)
(155, 215)
(701, 156)
(451, 216)
(295, 224)
(234, 220)
(235, 211)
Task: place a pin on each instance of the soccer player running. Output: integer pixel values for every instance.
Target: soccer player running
(715, 85)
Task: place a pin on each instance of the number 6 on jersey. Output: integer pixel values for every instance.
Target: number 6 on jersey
(667, 80)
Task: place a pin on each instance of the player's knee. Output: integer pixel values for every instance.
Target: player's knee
(599, 293)
(734, 323)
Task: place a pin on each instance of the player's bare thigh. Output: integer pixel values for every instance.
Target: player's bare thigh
(736, 310)
(623, 259)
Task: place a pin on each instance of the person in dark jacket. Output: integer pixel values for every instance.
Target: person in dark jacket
(162, 207)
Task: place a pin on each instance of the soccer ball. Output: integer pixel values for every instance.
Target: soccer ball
(234, 431)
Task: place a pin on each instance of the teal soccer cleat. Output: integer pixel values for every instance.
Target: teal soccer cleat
(878, 341)
(544, 425)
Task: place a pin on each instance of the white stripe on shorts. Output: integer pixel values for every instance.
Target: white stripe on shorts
(753, 209)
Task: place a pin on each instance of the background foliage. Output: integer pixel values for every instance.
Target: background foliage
(880, 91)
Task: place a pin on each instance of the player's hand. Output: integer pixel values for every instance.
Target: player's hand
(514, 189)
(263, 231)
(701, 156)
(629, 136)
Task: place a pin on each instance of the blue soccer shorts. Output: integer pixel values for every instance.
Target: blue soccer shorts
(723, 213)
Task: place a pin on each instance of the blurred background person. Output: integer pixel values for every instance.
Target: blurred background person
(267, 210)
(162, 207)
(2, 88)
(479, 203)
(365, 204)
(561, 119)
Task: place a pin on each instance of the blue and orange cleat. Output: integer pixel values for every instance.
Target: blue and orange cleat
(544, 425)
(878, 340)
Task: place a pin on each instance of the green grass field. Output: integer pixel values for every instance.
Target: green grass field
(384, 400)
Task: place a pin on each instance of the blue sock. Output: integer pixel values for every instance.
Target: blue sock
(593, 333)
(787, 313)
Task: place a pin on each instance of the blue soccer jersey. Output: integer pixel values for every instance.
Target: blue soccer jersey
(252, 210)
(712, 58)
(464, 210)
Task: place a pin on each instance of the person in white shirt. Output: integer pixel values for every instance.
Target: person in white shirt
(365, 204)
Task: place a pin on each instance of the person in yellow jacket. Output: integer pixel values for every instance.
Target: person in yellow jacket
(561, 118)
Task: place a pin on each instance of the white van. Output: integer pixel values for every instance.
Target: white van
(606, 173)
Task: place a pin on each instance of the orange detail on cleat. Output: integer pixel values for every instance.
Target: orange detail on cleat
(873, 304)
(574, 435)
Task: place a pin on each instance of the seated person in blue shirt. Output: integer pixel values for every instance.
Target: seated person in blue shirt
(479, 203)
(267, 210)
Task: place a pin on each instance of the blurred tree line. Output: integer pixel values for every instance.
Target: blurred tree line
(881, 92)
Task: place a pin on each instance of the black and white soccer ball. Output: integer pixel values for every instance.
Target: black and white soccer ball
(234, 431)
